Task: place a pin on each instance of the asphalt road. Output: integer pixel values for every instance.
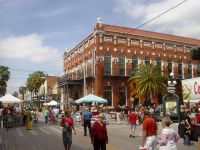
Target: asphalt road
(49, 137)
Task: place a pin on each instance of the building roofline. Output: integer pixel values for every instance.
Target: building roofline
(152, 34)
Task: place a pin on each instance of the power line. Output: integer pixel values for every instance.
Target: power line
(161, 14)
(26, 70)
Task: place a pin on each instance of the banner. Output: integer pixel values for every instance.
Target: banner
(191, 90)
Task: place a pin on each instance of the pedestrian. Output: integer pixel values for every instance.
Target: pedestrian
(28, 119)
(149, 131)
(87, 116)
(132, 118)
(46, 115)
(98, 133)
(187, 128)
(168, 137)
(68, 125)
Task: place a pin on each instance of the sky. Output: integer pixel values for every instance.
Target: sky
(35, 33)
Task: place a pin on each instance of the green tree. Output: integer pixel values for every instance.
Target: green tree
(4, 77)
(150, 80)
(34, 81)
(22, 91)
(15, 94)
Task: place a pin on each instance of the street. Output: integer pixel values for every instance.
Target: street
(49, 137)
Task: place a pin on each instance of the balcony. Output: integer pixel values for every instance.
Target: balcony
(117, 72)
(79, 74)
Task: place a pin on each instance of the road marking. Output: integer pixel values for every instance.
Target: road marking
(33, 132)
(20, 133)
(57, 130)
(45, 131)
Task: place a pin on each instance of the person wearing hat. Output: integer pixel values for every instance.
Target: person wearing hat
(98, 134)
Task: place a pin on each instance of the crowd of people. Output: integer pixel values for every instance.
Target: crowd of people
(95, 120)
(139, 116)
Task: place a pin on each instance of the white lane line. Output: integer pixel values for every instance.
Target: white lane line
(45, 131)
(33, 132)
(20, 133)
(56, 130)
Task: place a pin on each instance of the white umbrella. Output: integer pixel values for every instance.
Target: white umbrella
(9, 99)
(52, 103)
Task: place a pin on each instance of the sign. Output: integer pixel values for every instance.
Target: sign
(133, 87)
(191, 89)
(171, 108)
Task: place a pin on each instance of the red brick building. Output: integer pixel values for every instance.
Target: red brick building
(110, 53)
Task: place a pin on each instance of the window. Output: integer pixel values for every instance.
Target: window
(122, 95)
(159, 64)
(147, 60)
(108, 94)
(198, 70)
(107, 63)
(180, 69)
(189, 71)
(134, 62)
(121, 64)
(169, 68)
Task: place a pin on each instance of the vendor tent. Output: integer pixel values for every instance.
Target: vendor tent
(9, 99)
(91, 98)
(52, 103)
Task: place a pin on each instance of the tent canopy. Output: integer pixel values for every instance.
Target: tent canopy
(52, 103)
(9, 99)
(91, 98)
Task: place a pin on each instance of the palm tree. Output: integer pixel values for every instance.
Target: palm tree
(4, 77)
(15, 94)
(22, 91)
(150, 80)
(34, 81)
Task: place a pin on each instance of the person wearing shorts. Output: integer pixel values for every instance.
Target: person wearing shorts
(132, 117)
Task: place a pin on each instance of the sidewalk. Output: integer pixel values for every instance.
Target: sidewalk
(3, 139)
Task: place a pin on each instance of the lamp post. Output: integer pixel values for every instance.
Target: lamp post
(171, 102)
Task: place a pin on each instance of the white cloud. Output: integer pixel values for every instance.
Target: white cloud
(182, 20)
(29, 48)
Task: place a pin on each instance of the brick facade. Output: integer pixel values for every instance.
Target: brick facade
(126, 42)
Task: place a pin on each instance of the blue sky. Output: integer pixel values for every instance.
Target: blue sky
(35, 33)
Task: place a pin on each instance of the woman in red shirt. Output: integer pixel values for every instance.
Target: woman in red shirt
(68, 126)
(98, 133)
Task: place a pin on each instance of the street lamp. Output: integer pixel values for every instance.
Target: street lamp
(171, 102)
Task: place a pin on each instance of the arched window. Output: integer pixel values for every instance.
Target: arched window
(189, 71)
(121, 64)
(134, 62)
(159, 64)
(147, 60)
(169, 66)
(107, 63)
(180, 76)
